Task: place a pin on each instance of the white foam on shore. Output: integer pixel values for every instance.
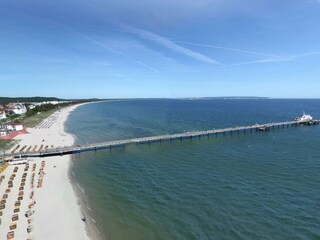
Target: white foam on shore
(81, 189)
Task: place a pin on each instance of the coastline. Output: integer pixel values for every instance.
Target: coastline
(91, 228)
(57, 212)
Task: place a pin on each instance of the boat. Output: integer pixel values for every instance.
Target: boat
(305, 118)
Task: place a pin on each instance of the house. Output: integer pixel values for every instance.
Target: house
(16, 126)
(9, 131)
(3, 133)
(31, 106)
(2, 115)
(17, 108)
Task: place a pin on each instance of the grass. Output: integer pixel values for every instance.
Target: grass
(34, 120)
(6, 144)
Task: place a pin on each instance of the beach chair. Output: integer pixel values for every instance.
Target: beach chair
(15, 217)
(13, 226)
(29, 229)
(28, 213)
(34, 148)
(10, 235)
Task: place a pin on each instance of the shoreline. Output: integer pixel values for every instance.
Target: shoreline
(79, 193)
(57, 209)
(84, 205)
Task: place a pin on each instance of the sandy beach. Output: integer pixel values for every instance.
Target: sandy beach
(43, 187)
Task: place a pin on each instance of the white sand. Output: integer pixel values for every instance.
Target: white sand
(57, 214)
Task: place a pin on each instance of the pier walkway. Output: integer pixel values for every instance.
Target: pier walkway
(149, 140)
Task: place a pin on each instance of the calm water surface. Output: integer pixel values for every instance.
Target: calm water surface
(247, 186)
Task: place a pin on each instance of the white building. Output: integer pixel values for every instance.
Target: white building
(17, 108)
(31, 106)
(3, 133)
(16, 126)
(4, 130)
(3, 115)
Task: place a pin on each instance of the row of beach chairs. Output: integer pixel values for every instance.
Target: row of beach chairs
(26, 149)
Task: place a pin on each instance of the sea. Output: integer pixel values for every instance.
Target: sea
(259, 185)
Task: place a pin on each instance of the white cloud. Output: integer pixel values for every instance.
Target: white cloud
(271, 60)
(228, 49)
(165, 42)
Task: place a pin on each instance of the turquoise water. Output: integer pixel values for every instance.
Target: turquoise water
(247, 186)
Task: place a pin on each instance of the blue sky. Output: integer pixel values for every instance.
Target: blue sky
(160, 48)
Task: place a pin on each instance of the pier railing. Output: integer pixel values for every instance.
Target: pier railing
(152, 139)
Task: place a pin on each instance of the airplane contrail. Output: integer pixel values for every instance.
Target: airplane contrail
(98, 43)
(146, 66)
(228, 49)
(115, 51)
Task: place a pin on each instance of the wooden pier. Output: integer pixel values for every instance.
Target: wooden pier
(149, 140)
